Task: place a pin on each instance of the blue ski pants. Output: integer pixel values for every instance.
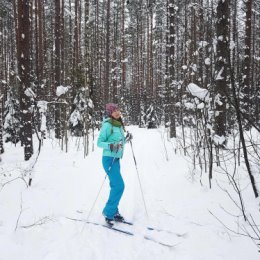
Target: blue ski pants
(112, 168)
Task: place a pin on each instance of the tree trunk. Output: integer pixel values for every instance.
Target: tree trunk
(57, 68)
(247, 59)
(23, 48)
(123, 46)
(221, 73)
(41, 87)
(241, 132)
(107, 69)
(171, 53)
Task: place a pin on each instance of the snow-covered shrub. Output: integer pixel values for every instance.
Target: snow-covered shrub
(150, 118)
(11, 120)
(80, 112)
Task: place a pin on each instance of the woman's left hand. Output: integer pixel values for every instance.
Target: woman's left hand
(128, 137)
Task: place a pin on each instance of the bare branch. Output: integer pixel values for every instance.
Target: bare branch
(39, 222)
(20, 213)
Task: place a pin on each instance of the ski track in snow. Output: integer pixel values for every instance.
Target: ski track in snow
(65, 185)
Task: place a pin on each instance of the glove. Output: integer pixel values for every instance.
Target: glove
(115, 147)
(128, 137)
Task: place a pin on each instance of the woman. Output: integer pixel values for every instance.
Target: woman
(112, 140)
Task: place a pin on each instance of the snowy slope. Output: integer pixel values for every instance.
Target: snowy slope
(65, 186)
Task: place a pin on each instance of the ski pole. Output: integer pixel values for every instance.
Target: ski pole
(96, 198)
(93, 205)
(139, 179)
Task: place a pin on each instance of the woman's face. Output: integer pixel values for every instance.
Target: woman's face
(116, 114)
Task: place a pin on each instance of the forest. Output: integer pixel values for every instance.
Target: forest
(190, 66)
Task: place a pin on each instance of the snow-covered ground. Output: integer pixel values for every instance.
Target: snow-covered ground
(35, 224)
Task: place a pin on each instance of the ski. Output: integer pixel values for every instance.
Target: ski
(160, 243)
(125, 222)
(155, 229)
(119, 230)
(132, 234)
(149, 228)
(167, 231)
(113, 228)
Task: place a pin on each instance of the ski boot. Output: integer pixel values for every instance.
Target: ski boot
(118, 217)
(109, 221)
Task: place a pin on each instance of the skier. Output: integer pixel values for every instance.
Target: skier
(112, 140)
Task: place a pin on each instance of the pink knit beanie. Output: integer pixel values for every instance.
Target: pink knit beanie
(110, 108)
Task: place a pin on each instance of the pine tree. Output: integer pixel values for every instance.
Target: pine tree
(221, 72)
(170, 74)
(58, 122)
(23, 58)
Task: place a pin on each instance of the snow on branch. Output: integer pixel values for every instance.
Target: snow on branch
(29, 93)
(42, 105)
(62, 90)
(198, 92)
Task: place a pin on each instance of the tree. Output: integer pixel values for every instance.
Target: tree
(170, 75)
(57, 68)
(107, 95)
(39, 46)
(221, 71)
(23, 58)
(246, 78)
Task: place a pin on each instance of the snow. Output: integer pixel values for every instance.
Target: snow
(232, 45)
(219, 75)
(203, 44)
(220, 38)
(189, 105)
(61, 90)
(65, 185)
(29, 93)
(198, 92)
(194, 67)
(43, 123)
(218, 100)
(207, 61)
(215, 42)
(75, 117)
(42, 105)
(201, 106)
(219, 139)
(90, 103)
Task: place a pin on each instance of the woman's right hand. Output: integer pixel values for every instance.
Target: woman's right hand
(116, 147)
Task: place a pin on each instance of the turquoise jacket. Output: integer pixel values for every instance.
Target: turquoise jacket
(110, 134)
